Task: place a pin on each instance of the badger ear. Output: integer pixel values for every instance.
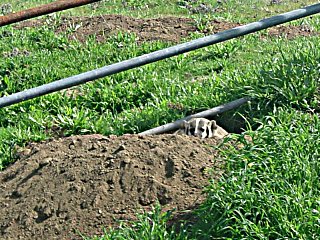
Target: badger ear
(214, 124)
(184, 124)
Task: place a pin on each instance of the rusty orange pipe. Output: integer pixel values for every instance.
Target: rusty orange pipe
(42, 10)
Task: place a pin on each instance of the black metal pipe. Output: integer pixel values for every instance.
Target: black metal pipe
(157, 55)
(42, 10)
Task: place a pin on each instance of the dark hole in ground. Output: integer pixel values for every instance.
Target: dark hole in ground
(232, 123)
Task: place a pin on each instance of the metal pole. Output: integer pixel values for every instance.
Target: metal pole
(157, 55)
(42, 10)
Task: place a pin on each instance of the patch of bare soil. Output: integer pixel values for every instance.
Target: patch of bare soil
(291, 32)
(85, 183)
(170, 29)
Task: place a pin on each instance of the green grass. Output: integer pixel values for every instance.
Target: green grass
(270, 187)
(242, 11)
(150, 225)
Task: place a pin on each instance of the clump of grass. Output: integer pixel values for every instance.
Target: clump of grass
(292, 78)
(149, 225)
(270, 189)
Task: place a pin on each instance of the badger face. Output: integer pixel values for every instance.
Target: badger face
(203, 128)
(199, 127)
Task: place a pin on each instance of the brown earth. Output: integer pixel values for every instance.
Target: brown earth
(171, 29)
(85, 183)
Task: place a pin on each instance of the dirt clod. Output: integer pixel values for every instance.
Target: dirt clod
(84, 183)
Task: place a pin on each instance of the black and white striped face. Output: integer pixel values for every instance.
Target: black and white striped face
(199, 127)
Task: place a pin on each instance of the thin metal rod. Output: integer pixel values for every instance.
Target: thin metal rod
(42, 10)
(157, 55)
(205, 114)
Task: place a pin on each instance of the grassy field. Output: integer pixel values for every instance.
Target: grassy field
(270, 189)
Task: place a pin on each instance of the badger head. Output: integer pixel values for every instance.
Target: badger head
(199, 127)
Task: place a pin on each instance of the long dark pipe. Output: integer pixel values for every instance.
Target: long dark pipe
(157, 55)
(42, 10)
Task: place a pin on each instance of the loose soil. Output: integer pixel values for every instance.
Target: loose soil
(171, 29)
(84, 183)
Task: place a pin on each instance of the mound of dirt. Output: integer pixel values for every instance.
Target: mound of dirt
(171, 29)
(84, 183)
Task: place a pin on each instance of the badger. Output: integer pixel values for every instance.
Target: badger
(203, 128)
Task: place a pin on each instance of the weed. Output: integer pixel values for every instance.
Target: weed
(150, 225)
